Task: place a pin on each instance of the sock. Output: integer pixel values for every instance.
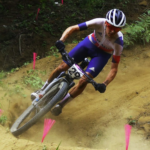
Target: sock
(67, 96)
(66, 99)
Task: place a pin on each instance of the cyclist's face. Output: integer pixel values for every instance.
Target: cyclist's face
(111, 30)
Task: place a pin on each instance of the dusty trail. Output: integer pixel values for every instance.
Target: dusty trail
(92, 120)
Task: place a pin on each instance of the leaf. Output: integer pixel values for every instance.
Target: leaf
(58, 146)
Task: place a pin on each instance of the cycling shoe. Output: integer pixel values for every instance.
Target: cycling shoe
(57, 110)
(34, 95)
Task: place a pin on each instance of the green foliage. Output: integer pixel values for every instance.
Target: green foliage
(13, 70)
(26, 63)
(124, 3)
(44, 44)
(2, 74)
(138, 32)
(91, 2)
(20, 6)
(29, 6)
(53, 52)
(30, 14)
(91, 6)
(75, 42)
(32, 79)
(43, 72)
(131, 121)
(18, 90)
(1, 7)
(48, 28)
(3, 119)
(44, 147)
(15, 90)
(24, 24)
(37, 57)
(58, 146)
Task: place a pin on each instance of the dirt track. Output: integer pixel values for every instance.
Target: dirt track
(92, 120)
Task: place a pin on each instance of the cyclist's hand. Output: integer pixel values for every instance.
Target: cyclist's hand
(101, 87)
(60, 45)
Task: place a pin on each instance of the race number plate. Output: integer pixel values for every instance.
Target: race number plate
(75, 72)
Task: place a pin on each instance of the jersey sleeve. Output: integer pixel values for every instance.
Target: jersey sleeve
(118, 48)
(91, 23)
(82, 26)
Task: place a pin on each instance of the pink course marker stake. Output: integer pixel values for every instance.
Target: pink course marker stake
(48, 123)
(127, 133)
(62, 2)
(37, 13)
(34, 59)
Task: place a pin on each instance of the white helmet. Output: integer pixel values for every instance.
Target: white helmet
(116, 18)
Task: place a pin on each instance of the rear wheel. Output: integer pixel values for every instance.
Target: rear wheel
(35, 112)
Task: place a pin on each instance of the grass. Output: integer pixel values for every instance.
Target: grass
(53, 52)
(15, 90)
(44, 147)
(3, 120)
(58, 146)
(33, 80)
(131, 121)
(2, 74)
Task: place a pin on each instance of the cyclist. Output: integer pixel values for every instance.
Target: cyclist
(106, 40)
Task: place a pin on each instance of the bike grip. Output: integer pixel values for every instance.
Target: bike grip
(60, 45)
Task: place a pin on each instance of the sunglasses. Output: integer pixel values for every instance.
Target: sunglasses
(111, 27)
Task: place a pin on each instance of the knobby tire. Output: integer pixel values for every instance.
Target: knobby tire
(16, 130)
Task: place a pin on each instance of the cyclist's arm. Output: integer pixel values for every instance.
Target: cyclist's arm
(69, 31)
(94, 23)
(118, 47)
(112, 73)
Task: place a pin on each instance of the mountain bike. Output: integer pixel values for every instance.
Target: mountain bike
(53, 93)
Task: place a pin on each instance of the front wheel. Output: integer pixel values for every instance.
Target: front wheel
(45, 104)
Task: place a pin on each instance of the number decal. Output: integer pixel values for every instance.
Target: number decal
(74, 72)
(77, 74)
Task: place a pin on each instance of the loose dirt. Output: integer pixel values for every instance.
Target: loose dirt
(92, 120)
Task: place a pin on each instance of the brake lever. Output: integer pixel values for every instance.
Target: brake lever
(63, 54)
(67, 58)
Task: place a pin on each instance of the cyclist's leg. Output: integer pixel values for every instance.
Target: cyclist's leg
(62, 67)
(76, 90)
(80, 86)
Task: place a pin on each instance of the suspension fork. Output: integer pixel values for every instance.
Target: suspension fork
(68, 78)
